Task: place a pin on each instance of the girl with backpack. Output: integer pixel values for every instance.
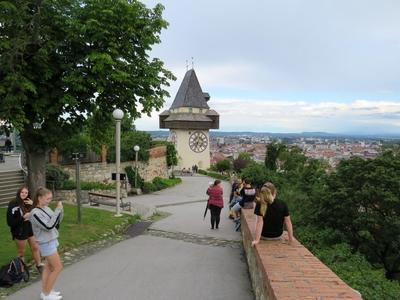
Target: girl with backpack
(18, 213)
(45, 223)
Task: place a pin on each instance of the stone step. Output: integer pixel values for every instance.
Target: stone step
(10, 182)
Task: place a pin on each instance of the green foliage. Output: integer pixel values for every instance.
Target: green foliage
(55, 176)
(213, 174)
(223, 165)
(77, 143)
(63, 61)
(128, 141)
(239, 164)
(86, 185)
(159, 183)
(271, 158)
(355, 270)
(258, 175)
(131, 174)
(362, 200)
(172, 154)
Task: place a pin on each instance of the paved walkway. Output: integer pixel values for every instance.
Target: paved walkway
(11, 162)
(179, 257)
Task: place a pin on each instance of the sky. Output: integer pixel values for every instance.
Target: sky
(287, 65)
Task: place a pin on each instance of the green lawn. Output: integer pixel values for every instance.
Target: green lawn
(96, 225)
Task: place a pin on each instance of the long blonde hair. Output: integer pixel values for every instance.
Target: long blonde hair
(266, 197)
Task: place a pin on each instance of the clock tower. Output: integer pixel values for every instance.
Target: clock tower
(189, 120)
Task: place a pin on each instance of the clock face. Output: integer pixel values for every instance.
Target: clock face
(198, 141)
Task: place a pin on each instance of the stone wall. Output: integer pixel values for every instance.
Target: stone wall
(70, 195)
(101, 172)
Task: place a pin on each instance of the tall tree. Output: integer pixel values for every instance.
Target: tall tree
(362, 200)
(62, 60)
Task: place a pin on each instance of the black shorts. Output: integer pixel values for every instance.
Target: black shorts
(23, 233)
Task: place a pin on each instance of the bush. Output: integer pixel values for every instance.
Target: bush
(55, 176)
(213, 175)
(130, 173)
(87, 185)
(148, 187)
(159, 183)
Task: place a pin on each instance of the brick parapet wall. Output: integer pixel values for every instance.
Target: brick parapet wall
(280, 270)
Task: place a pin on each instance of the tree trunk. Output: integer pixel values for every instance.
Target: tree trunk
(35, 161)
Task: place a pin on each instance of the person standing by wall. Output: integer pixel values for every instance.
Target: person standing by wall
(45, 223)
(271, 215)
(18, 213)
(215, 203)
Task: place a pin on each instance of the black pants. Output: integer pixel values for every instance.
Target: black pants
(215, 215)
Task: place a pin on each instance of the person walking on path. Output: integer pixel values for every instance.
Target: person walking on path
(271, 215)
(45, 223)
(215, 202)
(18, 213)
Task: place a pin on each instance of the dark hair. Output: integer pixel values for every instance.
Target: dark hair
(216, 182)
(41, 191)
(18, 197)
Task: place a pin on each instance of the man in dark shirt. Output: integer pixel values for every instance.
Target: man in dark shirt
(270, 226)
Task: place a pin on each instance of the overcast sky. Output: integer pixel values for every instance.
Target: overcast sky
(288, 65)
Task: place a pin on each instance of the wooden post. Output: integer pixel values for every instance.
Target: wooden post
(103, 153)
(53, 156)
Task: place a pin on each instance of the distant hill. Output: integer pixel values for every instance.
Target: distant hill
(317, 134)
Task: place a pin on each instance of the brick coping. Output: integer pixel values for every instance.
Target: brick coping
(280, 271)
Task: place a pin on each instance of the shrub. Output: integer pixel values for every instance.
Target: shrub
(148, 187)
(159, 183)
(87, 185)
(55, 176)
(130, 173)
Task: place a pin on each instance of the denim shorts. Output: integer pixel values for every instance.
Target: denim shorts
(48, 248)
(236, 207)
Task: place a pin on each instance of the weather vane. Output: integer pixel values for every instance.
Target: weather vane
(192, 63)
(187, 65)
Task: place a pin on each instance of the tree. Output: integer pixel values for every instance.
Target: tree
(60, 61)
(223, 165)
(362, 200)
(243, 160)
(272, 155)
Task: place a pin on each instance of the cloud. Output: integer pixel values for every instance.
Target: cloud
(297, 116)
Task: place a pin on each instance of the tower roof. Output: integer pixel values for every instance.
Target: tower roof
(190, 93)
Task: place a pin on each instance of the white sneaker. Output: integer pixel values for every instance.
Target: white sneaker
(52, 296)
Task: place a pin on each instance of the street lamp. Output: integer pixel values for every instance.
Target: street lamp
(118, 115)
(136, 148)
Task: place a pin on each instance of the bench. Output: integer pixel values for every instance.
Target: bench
(95, 199)
(279, 270)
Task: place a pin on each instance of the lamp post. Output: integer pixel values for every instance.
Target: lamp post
(136, 148)
(118, 115)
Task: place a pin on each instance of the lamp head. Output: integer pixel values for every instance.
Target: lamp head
(118, 114)
(136, 148)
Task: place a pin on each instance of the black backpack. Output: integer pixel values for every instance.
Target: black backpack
(14, 272)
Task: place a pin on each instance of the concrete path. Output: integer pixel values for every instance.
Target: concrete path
(179, 257)
(11, 162)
